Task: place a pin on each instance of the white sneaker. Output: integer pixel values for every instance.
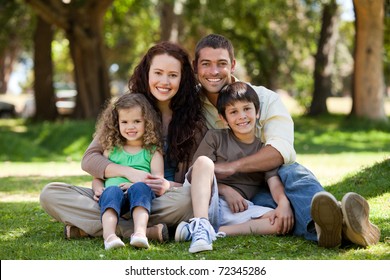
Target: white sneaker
(203, 235)
(183, 232)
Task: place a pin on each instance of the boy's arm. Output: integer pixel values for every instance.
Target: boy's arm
(283, 211)
(100, 167)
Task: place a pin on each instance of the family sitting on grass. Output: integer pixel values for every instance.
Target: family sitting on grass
(193, 149)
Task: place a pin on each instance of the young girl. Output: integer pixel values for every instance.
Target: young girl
(129, 132)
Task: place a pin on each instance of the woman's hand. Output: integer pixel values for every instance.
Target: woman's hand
(158, 184)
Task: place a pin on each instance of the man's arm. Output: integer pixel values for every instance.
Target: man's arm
(265, 159)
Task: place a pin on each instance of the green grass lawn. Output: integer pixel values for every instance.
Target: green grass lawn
(346, 155)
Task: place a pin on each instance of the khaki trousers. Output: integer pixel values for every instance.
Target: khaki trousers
(73, 205)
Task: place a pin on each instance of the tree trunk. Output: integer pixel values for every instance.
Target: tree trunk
(324, 59)
(91, 75)
(368, 85)
(83, 24)
(43, 71)
(7, 59)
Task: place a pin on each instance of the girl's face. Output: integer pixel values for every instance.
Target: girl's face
(132, 125)
(241, 118)
(164, 77)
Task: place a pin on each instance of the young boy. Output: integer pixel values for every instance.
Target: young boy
(238, 106)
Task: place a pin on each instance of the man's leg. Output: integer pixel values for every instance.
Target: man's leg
(300, 187)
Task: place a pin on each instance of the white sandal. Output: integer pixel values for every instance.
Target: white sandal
(139, 242)
(116, 243)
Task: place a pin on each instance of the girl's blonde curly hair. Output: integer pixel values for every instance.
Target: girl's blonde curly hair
(107, 126)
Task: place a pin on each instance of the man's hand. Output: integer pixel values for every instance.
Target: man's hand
(158, 184)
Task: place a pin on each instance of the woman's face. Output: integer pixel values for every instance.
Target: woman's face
(164, 77)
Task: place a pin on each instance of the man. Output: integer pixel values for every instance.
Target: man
(214, 65)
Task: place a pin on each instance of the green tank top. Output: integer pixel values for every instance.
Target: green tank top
(139, 161)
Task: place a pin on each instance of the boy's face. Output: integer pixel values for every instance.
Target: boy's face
(241, 118)
(214, 69)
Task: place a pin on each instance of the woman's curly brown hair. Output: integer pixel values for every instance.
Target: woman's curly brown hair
(107, 126)
(186, 105)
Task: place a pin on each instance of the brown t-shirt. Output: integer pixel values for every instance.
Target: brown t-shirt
(221, 145)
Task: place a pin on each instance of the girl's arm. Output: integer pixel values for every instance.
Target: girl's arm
(98, 188)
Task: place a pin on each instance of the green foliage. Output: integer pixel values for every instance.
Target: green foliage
(130, 28)
(273, 38)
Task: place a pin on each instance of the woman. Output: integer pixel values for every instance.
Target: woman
(166, 78)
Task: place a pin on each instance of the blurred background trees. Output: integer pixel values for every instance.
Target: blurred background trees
(303, 48)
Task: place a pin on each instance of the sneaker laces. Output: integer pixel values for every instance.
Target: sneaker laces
(200, 228)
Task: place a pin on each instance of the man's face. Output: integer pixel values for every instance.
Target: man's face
(214, 69)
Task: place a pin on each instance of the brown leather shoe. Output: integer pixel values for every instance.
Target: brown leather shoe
(72, 232)
(357, 226)
(326, 213)
(158, 232)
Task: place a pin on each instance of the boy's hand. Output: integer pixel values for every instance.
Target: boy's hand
(233, 198)
(285, 218)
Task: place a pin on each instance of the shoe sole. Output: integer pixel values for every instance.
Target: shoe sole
(358, 228)
(327, 214)
(200, 248)
(72, 232)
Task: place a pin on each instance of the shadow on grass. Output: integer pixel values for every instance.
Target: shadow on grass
(370, 182)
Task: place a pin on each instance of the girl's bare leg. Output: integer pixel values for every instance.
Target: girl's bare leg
(109, 221)
(140, 217)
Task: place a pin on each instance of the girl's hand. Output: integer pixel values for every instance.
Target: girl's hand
(97, 194)
(158, 184)
(125, 186)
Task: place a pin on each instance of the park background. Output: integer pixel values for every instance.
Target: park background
(328, 60)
